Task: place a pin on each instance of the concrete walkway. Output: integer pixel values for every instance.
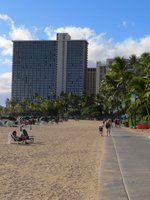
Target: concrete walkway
(125, 168)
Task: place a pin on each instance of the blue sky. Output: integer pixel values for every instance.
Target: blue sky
(112, 28)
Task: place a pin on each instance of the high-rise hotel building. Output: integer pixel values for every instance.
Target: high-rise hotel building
(90, 81)
(49, 67)
(100, 72)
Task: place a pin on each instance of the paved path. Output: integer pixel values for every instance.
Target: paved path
(125, 168)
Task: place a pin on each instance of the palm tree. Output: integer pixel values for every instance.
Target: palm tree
(114, 85)
(44, 108)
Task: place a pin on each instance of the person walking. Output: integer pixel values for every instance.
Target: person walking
(101, 127)
(109, 127)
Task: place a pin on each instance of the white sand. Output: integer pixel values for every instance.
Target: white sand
(62, 164)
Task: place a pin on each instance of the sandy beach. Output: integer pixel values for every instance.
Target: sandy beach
(62, 164)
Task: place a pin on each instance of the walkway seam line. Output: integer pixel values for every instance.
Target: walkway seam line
(121, 171)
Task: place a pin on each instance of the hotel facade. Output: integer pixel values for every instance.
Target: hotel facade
(46, 68)
(100, 72)
(91, 81)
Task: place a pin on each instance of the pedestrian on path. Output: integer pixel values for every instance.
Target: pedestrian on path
(109, 127)
(117, 123)
(101, 128)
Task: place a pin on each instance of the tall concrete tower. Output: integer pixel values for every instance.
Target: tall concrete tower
(49, 67)
(62, 39)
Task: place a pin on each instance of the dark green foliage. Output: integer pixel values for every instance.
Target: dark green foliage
(123, 78)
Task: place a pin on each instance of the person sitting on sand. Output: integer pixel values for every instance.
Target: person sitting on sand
(17, 138)
(25, 134)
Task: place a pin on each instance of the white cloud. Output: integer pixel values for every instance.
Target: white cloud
(50, 32)
(20, 33)
(6, 61)
(101, 47)
(124, 24)
(5, 83)
(5, 45)
(75, 32)
(5, 87)
(14, 33)
(35, 29)
(3, 98)
(6, 18)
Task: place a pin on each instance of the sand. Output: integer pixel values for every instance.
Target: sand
(62, 164)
